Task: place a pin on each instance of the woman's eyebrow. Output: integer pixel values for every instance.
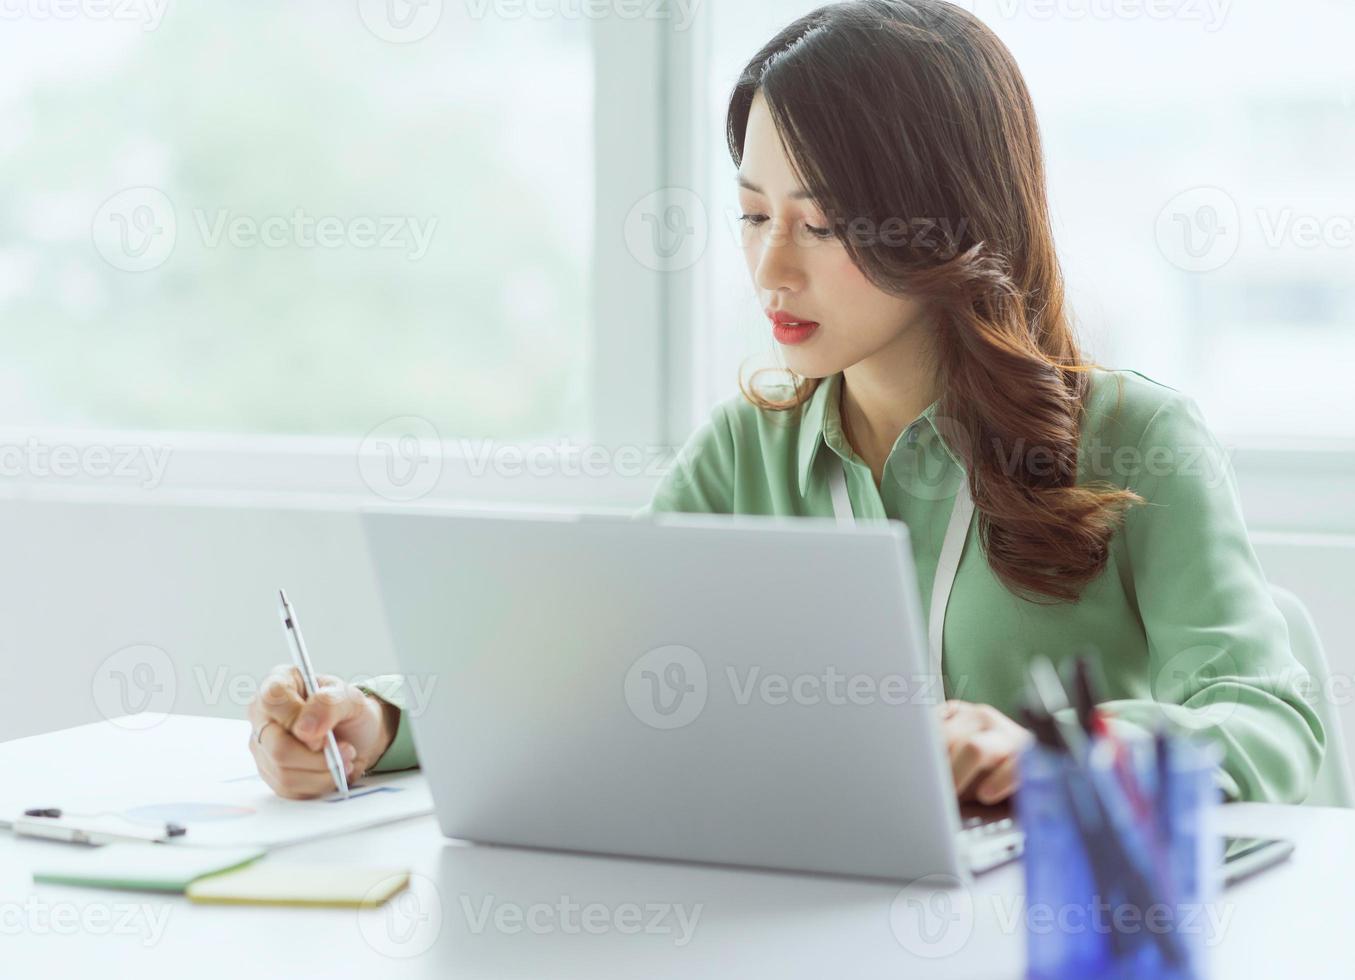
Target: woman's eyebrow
(798, 195)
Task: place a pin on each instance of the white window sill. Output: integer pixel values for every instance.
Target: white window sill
(1285, 488)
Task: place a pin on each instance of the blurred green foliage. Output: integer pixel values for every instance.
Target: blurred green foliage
(483, 127)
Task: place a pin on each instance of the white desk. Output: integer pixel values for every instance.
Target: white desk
(1293, 920)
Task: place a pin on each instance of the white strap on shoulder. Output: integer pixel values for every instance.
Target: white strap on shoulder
(842, 502)
(948, 563)
(952, 549)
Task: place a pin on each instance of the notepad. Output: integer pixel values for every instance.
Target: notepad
(317, 885)
(143, 867)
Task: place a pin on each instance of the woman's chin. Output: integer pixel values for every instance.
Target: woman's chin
(808, 366)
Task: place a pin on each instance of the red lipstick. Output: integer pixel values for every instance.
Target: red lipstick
(790, 328)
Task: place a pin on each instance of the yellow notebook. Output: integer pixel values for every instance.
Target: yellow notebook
(279, 883)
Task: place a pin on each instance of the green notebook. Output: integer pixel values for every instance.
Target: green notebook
(143, 867)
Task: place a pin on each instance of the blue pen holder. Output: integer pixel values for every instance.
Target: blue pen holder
(1082, 918)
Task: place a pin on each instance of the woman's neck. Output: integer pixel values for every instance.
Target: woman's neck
(881, 396)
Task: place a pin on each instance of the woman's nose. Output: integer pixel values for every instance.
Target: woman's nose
(779, 263)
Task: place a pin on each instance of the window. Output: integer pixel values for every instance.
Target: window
(305, 218)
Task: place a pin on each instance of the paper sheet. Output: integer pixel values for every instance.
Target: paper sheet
(192, 771)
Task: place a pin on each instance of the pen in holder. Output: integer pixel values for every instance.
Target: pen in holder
(1119, 857)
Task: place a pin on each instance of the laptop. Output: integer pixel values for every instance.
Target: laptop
(748, 691)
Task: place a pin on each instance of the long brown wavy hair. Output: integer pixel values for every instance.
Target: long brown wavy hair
(912, 116)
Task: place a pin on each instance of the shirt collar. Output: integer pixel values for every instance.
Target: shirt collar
(821, 423)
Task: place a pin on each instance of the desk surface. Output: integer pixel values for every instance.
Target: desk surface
(478, 911)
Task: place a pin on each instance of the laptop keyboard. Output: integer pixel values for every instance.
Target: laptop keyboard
(988, 844)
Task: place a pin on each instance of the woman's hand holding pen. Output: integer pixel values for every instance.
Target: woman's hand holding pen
(983, 745)
(288, 730)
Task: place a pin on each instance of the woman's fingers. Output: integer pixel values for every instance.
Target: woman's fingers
(298, 784)
(288, 731)
(286, 752)
(281, 697)
(331, 704)
(977, 756)
(290, 768)
(999, 784)
(983, 746)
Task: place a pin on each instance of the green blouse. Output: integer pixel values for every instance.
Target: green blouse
(1181, 619)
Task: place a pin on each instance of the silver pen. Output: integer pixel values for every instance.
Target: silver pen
(302, 661)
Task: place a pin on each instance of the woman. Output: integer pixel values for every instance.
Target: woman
(897, 232)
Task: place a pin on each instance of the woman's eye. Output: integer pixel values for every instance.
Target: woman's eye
(757, 219)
